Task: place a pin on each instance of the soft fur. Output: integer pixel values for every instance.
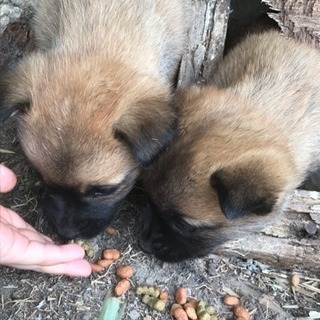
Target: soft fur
(244, 142)
(95, 101)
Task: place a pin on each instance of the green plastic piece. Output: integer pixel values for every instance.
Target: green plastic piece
(112, 309)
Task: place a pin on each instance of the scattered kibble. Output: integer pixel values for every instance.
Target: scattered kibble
(190, 311)
(104, 262)
(231, 301)
(96, 267)
(295, 280)
(163, 296)
(111, 231)
(181, 295)
(240, 311)
(124, 272)
(122, 287)
(111, 254)
(174, 307)
(180, 314)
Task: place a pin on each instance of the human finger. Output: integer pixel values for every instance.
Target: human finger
(7, 179)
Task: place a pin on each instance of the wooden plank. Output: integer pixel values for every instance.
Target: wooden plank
(294, 240)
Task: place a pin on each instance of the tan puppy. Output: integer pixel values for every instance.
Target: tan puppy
(95, 101)
(244, 142)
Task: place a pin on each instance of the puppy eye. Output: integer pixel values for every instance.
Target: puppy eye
(100, 191)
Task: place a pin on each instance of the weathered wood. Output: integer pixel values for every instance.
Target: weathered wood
(206, 41)
(294, 240)
(299, 19)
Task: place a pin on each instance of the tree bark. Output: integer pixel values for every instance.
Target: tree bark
(291, 241)
(299, 19)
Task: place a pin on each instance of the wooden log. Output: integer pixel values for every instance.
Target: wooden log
(206, 41)
(299, 19)
(294, 240)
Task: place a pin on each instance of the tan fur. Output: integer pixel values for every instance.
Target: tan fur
(258, 123)
(99, 61)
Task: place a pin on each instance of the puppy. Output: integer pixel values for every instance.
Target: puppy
(95, 102)
(244, 142)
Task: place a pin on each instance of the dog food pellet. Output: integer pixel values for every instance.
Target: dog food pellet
(163, 296)
(111, 254)
(239, 312)
(96, 267)
(201, 307)
(210, 309)
(191, 312)
(295, 280)
(122, 287)
(180, 314)
(203, 315)
(231, 301)
(111, 231)
(104, 263)
(181, 295)
(124, 272)
(174, 307)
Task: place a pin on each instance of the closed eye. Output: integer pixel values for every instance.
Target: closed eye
(100, 191)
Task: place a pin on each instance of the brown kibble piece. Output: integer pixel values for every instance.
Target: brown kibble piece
(240, 311)
(96, 267)
(231, 301)
(180, 314)
(122, 287)
(111, 254)
(295, 280)
(241, 318)
(163, 296)
(193, 303)
(181, 295)
(111, 231)
(174, 307)
(124, 272)
(104, 262)
(190, 311)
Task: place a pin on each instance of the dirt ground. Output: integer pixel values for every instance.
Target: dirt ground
(265, 292)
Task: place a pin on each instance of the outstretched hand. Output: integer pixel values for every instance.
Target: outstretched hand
(23, 247)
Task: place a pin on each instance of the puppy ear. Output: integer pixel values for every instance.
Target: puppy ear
(253, 186)
(13, 94)
(148, 128)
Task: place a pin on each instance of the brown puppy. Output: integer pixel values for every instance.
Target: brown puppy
(244, 142)
(95, 101)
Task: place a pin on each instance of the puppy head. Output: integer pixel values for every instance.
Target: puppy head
(88, 126)
(216, 182)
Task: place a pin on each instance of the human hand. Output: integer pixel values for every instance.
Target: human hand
(23, 247)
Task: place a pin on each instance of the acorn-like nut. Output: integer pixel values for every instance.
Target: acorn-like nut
(231, 301)
(295, 280)
(240, 311)
(181, 295)
(122, 287)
